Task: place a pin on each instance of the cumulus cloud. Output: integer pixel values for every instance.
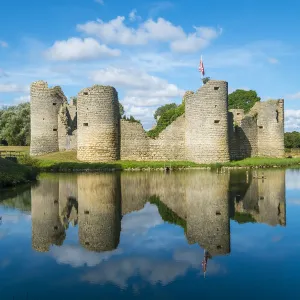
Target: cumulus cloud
(133, 16)
(79, 49)
(291, 119)
(76, 256)
(143, 92)
(3, 44)
(12, 88)
(161, 30)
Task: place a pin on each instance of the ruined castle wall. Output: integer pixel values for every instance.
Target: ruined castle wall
(242, 134)
(98, 124)
(99, 211)
(270, 124)
(169, 145)
(134, 141)
(45, 103)
(47, 228)
(208, 211)
(67, 127)
(206, 130)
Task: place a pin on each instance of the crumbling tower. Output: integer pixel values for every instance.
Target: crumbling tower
(45, 103)
(47, 228)
(98, 124)
(270, 124)
(99, 211)
(206, 115)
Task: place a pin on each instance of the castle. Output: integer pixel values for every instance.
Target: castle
(206, 133)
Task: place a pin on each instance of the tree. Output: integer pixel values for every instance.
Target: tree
(163, 109)
(241, 99)
(15, 124)
(205, 80)
(121, 108)
(292, 139)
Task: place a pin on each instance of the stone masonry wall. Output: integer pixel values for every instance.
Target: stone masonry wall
(270, 124)
(98, 124)
(169, 145)
(44, 105)
(206, 126)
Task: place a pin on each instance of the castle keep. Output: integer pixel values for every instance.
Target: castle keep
(206, 133)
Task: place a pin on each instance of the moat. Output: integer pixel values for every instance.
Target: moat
(152, 235)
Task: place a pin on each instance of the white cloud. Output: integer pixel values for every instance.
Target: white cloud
(76, 256)
(292, 120)
(12, 88)
(295, 96)
(133, 16)
(116, 31)
(100, 2)
(79, 49)
(3, 44)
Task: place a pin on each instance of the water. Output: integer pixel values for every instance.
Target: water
(150, 235)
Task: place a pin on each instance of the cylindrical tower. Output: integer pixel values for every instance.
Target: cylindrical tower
(47, 228)
(98, 123)
(44, 106)
(99, 211)
(270, 131)
(207, 201)
(206, 131)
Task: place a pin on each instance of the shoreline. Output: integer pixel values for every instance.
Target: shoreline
(66, 162)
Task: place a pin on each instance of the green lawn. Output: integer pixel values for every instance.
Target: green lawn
(67, 161)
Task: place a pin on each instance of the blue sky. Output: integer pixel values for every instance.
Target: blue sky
(149, 51)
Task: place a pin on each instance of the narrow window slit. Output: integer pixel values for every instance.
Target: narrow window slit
(261, 127)
(55, 227)
(85, 93)
(217, 121)
(54, 129)
(218, 213)
(85, 124)
(86, 212)
(216, 88)
(54, 103)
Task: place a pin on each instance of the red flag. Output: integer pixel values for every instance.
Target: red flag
(201, 67)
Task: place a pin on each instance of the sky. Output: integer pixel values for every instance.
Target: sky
(150, 50)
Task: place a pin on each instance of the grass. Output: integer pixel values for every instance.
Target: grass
(24, 149)
(12, 173)
(67, 162)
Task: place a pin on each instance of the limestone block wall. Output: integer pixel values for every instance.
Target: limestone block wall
(208, 211)
(242, 134)
(45, 103)
(67, 127)
(98, 124)
(270, 124)
(134, 141)
(99, 211)
(169, 145)
(47, 228)
(206, 126)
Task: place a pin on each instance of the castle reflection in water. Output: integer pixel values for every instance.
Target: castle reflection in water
(202, 202)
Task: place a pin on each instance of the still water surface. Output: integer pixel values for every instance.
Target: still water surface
(152, 235)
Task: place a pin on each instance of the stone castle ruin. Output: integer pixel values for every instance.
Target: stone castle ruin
(206, 133)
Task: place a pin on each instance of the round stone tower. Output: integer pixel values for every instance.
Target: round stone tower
(44, 106)
(206, 119)
(47, 228)
(207, 201)
(98, 124)
(99, 211)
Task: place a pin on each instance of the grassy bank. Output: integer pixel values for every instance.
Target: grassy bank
(67, 162)
(12, 174)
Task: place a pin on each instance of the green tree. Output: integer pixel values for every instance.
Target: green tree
(121, 108)
(163, 109)
(205, 80)
(242, 99)
(292, 139)
(15, 124)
